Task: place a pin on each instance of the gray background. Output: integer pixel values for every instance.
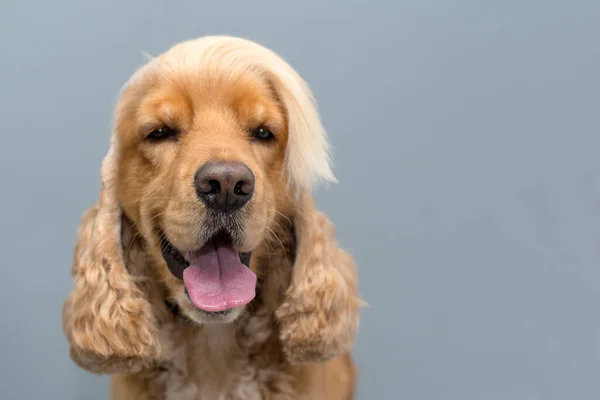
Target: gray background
(466, 143)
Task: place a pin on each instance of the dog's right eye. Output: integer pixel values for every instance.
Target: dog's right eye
(161, 133)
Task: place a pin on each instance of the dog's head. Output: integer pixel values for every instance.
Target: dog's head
(213, 141)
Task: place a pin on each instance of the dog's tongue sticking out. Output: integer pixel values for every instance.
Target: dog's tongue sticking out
(216, 279)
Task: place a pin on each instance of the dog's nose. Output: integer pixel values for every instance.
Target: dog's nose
(224, 186)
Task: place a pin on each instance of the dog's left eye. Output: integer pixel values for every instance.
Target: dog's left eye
(161, 133)
(262, 133)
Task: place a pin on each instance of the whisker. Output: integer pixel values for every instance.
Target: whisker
(286, 218)
(145, 198)
(279, 240)
(128, 252)
(157, 215)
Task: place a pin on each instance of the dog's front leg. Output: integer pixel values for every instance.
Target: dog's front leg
(320, 312)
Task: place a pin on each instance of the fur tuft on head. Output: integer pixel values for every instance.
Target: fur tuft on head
(308, 153)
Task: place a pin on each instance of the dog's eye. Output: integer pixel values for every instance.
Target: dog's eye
(262, 133)
(161, 133)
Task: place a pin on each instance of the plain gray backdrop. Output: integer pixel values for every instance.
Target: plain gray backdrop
(467, 145)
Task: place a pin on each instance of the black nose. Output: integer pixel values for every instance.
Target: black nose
(224, 186)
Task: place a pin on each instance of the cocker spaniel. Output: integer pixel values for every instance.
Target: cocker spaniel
(204, 271)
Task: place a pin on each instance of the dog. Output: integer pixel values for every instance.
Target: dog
(204, 271)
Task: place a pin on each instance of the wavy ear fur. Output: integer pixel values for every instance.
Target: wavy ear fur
(320, 312)
(107, 319)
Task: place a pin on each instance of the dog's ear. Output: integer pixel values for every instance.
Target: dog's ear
(320, 312)
(107, 319)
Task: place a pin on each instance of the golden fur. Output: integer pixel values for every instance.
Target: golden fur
(294, 340)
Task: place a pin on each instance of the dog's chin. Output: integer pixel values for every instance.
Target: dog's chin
(217, 282)
(190, 312)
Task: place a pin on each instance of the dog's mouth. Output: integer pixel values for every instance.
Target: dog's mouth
(217, 278)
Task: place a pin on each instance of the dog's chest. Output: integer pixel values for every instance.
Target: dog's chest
(214, 364)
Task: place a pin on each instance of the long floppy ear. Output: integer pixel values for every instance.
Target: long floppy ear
(320, 312)
(307, 158)
(107, 319)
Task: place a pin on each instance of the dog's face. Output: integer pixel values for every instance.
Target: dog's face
(213, 141)
(201, 174)
(215, 149)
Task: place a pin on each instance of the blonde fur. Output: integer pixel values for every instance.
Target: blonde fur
(308, 156)
(294, 340)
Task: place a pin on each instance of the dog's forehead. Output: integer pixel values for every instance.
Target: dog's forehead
(215, 82)
(190, 99)
(171, 99)
(210, 71)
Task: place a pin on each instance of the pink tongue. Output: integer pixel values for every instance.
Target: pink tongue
(216, 279)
